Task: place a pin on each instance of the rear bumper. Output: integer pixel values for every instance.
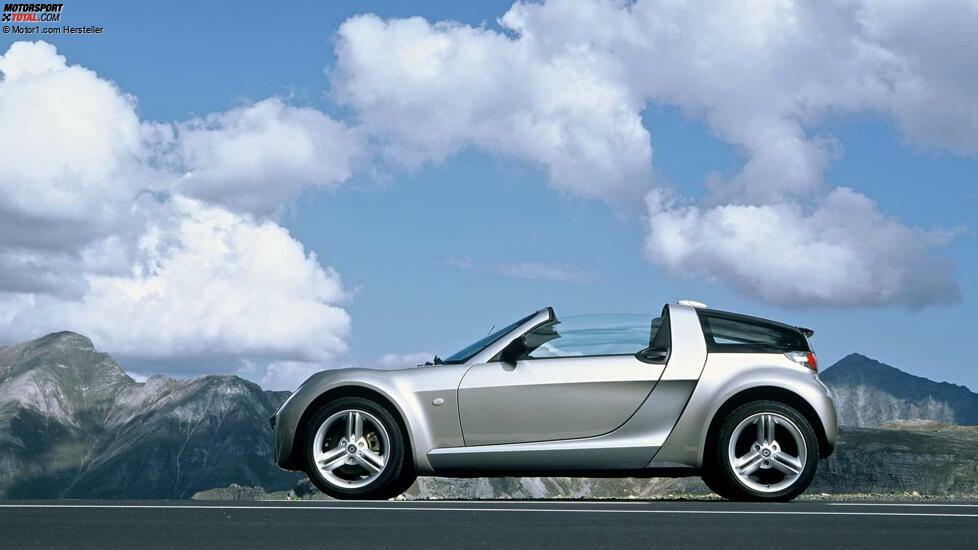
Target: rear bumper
(825, 409)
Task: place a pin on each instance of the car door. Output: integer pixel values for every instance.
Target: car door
(559, 391)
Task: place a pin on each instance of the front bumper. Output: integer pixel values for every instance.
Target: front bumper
(285, 424)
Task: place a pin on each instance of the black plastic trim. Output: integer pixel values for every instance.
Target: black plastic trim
(713, 347)
(652, 471)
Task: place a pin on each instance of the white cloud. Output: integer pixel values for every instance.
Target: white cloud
(256, 158)
(67, 139)
(936, 101)
(426, 91)
(66, 134)
(762, 73)
(564, 83)
(841, 253)
(98, 233)
(204, 281)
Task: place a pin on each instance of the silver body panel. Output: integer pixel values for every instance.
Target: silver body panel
(630, 447)
(580, 414)
(552, 399)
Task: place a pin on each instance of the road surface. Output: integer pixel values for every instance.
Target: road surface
(487, 524)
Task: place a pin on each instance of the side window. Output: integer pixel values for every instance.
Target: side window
(728, 333)
(587, 335)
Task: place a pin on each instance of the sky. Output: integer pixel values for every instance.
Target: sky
(228, 188)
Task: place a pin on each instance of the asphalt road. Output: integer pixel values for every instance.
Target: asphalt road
(490, 524)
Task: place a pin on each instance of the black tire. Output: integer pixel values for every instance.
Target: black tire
(712, 480)
(719, 474)
(396, 472)
(404, 482)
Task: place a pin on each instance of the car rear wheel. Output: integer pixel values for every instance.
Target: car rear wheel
(355, 449)
(766, 451)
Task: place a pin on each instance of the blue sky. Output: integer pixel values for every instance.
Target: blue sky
(424, 250)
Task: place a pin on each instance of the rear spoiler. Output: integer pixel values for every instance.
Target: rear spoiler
(806, 331)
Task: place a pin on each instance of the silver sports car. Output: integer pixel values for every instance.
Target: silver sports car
(695, 391)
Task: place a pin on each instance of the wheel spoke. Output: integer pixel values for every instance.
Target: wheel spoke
(357, 426)
(334, 464)
(748, 464)
(367, 464)
(374, 458)
(329, 455)
(760, 428)
(769, 425)
(354, 426)
(746, 459)
(786, 463)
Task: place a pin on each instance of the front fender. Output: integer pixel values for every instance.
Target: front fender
(410, 391)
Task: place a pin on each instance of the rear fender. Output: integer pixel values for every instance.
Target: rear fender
(724, 377)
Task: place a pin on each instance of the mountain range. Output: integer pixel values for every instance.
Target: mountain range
(869, 393)
(73, 424)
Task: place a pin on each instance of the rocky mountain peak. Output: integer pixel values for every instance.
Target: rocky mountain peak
(65, 339)
(69, 352)
(870, 393)
(72, 423)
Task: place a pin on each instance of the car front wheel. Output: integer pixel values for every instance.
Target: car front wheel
(355, 449)
(767, 450)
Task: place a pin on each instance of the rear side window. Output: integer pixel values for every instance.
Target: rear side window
(731, 333)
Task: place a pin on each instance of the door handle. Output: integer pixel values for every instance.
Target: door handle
(654, 354)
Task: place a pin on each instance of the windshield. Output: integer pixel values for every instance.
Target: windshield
(469, 351)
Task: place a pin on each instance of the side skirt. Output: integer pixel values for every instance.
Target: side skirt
(673, 472)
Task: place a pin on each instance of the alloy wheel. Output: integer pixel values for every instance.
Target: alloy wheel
(767, 452)
(351, 449)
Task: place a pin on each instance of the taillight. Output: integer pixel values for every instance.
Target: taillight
(804, 358)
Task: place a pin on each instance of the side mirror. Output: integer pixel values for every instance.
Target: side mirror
(513, 351)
